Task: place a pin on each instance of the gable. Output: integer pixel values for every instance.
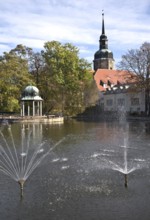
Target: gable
(106, 78)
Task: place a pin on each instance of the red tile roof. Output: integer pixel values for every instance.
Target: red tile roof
(113, 76)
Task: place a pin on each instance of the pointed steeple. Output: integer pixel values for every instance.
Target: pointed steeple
(103, 25)
(103, 38)
(103, 58)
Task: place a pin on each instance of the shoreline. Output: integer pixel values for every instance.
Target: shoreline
(31, 119)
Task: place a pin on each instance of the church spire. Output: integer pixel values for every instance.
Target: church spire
(103, 25)
(103, 38)
(103, 58)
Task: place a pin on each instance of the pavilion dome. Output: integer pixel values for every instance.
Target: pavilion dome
(31, 93)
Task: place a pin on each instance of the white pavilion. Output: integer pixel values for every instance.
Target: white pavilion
(31, 102)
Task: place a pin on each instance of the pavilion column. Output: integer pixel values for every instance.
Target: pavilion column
(33, 109)
(21, 109)
(28, 109)
(41, 108)
(38, 108)
(22, 112)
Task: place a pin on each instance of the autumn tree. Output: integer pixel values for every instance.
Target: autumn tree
(14, 77)
(66, 76)
(138, 62)
(36, 66)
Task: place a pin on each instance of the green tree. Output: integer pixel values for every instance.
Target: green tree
(36, 66)
(91, 96)
(14, 77)
(138, 62)
(61, 76)
(66, 76)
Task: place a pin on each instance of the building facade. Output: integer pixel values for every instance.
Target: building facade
(120, 97)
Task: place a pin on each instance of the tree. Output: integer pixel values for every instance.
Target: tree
(14, 77)
(34, 60)
(61, 76)
(36, 66)
(66, 76)
(138, 62)
(91, 94)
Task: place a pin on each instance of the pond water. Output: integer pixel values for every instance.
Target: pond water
(83, 177)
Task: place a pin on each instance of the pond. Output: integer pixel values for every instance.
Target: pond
(83, 177)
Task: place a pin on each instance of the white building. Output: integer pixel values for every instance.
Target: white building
(119, 97)
(116, 88)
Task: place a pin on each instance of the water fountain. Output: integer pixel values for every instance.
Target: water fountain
(117, 156)
(125, 168)
(87, 172)
(124, 130)
(18, 163)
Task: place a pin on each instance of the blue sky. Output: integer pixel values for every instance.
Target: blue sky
(34, 22)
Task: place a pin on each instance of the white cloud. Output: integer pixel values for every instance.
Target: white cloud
(33, 22)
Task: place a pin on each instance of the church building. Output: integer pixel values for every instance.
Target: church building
(116, 87)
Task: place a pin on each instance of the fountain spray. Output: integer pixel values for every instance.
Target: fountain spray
(19, 166)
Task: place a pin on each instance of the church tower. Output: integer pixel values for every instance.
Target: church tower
(103, 58)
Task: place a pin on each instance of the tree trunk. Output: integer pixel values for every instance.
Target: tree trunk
(147, 102)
